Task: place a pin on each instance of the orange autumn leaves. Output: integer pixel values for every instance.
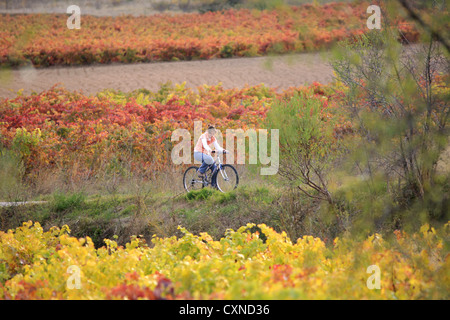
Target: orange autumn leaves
(114, 132)
(44, 40)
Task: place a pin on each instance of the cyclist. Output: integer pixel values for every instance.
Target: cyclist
(202, 150)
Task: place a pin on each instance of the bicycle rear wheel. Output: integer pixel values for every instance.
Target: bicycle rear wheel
(227, 178)
(191, 181)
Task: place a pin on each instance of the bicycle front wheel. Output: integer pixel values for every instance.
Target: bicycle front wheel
(227, 178)
(191, 181)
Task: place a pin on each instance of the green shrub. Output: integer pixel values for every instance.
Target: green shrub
(308, 146)
(225, 197)
(201, 194)
(62, 202)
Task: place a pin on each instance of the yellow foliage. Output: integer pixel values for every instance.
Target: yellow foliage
(254, 262)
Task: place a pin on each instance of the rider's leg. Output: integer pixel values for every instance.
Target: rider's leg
(213, 166)
(206, 159)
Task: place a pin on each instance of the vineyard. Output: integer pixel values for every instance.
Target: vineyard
(92, 205)
(254, 262)
(45, 40)
(114, 132)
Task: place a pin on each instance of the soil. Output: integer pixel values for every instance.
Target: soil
(277, 72)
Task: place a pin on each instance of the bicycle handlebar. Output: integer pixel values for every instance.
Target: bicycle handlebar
(223, 152)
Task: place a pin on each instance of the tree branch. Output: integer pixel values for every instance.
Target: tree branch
(405, 4)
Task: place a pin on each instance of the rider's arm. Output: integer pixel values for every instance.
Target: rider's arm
(217, 147)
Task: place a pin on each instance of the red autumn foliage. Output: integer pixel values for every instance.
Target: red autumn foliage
(45, 40)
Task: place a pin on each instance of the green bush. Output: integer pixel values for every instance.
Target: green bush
(62, 202)
(224, 197)
(201, 194)
(307, 143)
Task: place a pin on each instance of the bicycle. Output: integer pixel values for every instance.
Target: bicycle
(224, 177)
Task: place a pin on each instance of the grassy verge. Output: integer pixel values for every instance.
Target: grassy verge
(120, 216)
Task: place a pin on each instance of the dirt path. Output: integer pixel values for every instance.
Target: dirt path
(279, 72)
(13, 204)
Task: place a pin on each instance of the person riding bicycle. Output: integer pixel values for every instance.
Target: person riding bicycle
(202, 150)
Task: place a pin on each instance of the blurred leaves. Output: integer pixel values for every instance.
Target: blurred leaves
(253, 262)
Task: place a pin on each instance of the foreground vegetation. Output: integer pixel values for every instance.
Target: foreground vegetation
(254, 262)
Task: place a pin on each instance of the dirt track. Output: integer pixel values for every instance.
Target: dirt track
(279, 72)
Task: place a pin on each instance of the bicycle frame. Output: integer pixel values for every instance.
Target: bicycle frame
(218, 164)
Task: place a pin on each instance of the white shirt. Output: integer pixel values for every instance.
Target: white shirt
(215, 144)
